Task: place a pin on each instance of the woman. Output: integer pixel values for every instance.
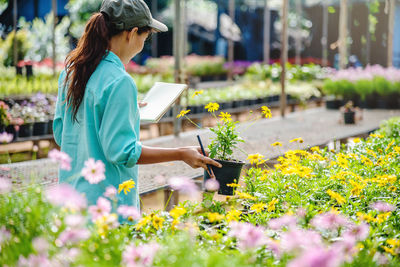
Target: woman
(97, 114)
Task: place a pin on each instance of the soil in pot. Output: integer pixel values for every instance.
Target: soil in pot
(40, 128)
(228, 174)
(349, 117)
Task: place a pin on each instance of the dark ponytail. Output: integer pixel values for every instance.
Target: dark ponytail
(83, 60)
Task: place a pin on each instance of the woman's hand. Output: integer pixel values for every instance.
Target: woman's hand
(193, 157)
(142, 104)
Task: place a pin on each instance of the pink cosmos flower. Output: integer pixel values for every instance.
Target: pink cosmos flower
(5, 235)
(345, 248)
(317, 257)
(62, 158)
(381, 259)
(128, 212)
(381, 206)
(34, 261)
(94, 171)
(274, 246)
(184, 185)
(247, 235)
(329, 220)
(6, 138)
(40, 244)
(65, 195)
(110, 192)
(284, 221)
(72, 236)
(5, 185)
(142, 255)
(300, 239)
(102, 208)
(75, 220)
(359, 232)
(211, 185)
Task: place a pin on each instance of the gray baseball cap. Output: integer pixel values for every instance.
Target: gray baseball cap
(127, 14)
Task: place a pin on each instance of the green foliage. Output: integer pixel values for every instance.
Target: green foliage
(390, 128)
(225, 141)
(22, 43)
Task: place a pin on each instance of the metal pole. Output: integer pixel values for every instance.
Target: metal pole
(177, 56)
(392, 9)
(15, 17)
(298, 29)
(284, 55)
(324, 39)
(267, 24)
(231, 44)
(343, 34)
(54, 5)
(154, 10)
(368, 38)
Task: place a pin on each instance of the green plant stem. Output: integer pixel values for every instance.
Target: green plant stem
(169, 198)
(195, 124)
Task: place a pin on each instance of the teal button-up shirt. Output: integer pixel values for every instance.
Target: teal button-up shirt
(107, 129)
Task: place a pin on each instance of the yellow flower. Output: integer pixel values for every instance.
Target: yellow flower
(126, 186)
(298, 139)
(393, 242)
(143, 222)
(158, 222)
(266, 112)
(183, 113)
(258, 207)
(356, 140)
(255, 158)
(315, 149)
(211, 107)
(271, 205)
(339, 199)
(376, 135)
(389, 250)
(233, 185)
(233, 215)
(365, 217)
(196, 93)
(276, 144)
(245, 195)
(174, 223)
(225, 116)
(105, 223)
(389, 145)
(177, 212)
(392, 188)
(382, 217)
(215, 217)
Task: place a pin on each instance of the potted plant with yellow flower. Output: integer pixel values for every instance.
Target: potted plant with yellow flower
(225, 140)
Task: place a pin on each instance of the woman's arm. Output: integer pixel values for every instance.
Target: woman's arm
(190, 155)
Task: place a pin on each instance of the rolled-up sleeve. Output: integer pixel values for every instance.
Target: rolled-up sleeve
(119, 123)
(59, 111)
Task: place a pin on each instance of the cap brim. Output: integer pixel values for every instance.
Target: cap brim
(158, 26)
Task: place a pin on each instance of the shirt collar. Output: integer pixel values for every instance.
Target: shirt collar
(111, 57)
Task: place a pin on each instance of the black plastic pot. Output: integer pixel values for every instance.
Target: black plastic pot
(349, 117)
(229, 173)
(40, 128)
(25, 130)
(50, 127)
(333, 104)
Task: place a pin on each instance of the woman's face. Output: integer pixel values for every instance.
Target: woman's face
(136, 42)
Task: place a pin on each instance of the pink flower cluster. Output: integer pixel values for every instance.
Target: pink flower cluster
(247, 235)
(128, 212)
(368, 73)
(5, 185)
(139, 256)
(62, 158)
(65, 195)
(308, 246)
(184, 185)
(381, 206)
(6, 138)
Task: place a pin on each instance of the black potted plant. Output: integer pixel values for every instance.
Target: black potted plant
(25, 114)
(40, 106)
(349, 113)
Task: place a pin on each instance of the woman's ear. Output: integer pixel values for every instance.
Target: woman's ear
(132, 33)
